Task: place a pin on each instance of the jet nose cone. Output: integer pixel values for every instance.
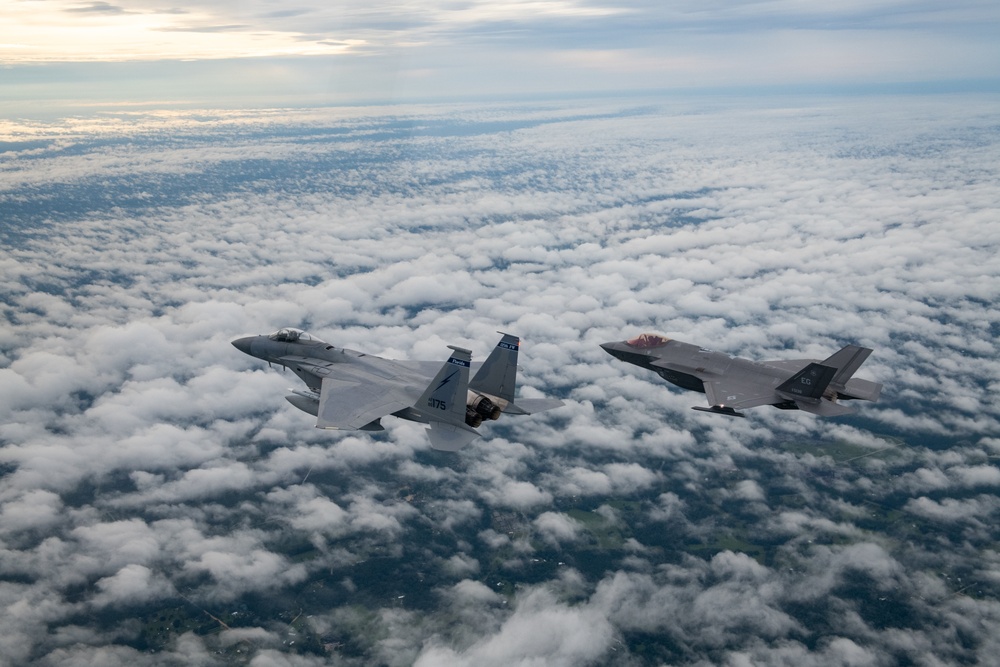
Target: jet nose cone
(613, 348)
(243, 344)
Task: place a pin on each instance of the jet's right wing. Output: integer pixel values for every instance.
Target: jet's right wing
(350, 404)
(737, 394)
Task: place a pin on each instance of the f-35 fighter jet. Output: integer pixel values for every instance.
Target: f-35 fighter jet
(732, 384)
(350, 390)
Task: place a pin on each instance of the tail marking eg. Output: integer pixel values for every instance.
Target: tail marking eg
(808, 384)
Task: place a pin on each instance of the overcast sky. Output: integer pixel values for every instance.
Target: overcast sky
(259, 52)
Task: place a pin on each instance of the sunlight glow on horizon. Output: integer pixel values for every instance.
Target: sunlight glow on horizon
(36, 32)
(33, 31)
(260, 52)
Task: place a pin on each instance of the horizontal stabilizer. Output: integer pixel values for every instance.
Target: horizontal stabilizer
(827, 408)
(865, 390)
(530, 406)
(450, 437)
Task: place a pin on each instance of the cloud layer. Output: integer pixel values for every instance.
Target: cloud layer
(161, 501)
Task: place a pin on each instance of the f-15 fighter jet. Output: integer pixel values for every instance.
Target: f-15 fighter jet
(732, 384)
(351, 390)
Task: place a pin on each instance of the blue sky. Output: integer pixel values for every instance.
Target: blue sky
(257, 52)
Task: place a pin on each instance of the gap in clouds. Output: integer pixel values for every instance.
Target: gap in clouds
(154, 476)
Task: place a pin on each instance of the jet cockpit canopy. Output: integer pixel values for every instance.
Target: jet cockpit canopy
(647, 340)
(292, 335)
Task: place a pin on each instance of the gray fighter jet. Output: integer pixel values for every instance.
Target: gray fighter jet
(732, 384)
(350, 390)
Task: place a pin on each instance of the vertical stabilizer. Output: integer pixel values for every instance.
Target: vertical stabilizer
(445, 397)
(808, 384)
(847, 361)
(498, 374)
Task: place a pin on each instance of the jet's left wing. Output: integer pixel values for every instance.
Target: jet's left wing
(351, 404)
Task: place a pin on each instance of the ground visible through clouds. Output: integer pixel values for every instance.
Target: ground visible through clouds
(162, 504)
